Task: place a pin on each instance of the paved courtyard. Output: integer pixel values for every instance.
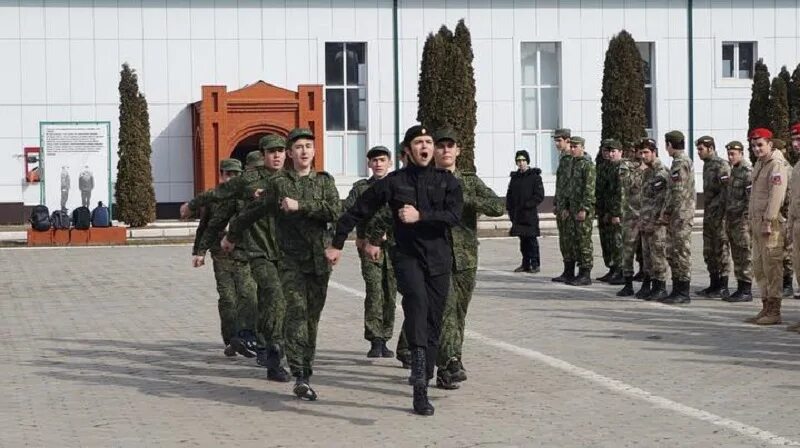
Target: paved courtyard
(107, 347)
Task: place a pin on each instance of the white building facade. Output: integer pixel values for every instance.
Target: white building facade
(538, 66)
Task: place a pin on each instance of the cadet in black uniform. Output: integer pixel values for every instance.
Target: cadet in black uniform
(425, 202)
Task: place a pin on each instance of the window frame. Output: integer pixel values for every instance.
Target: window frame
(650, 130)
(736, 63)
(541, 136)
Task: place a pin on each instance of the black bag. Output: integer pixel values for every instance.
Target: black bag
(60, 219)
(81, 218)
(40, 218)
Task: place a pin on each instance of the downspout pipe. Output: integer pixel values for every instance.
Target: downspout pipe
(690, 64)
(396, 51)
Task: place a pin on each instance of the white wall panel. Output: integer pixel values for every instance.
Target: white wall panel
(106, 21)
(616, 17)
(722, 115)
(154, 19)
(161, 190)
(482, 65)
(10, 75)
(721, 18)
(456, 10)
(570, 22)
(181, 191)
(132, 52)
(299, 69)
(58, 75)
(547, 19)
(410, 23)
(159, 158)
(226, 21)
(368, 21)
(159, 120)
(479, 21)
(381, 61)
(296, 12)
(227, 63)
(385, 19)
(249, 19)
(676, 18)
(178, 19)
(31, 116)
(203, 68)
(81, 19)
(10, 122)
(58, 113)
(106, 71)
(201, 19)
(503, 150)
(409, 75)
(130, 19)
(592, 59)
(81, 69)
(273, 19)
(742, 17)
(31, 18)
(9, 21)
(181, 168)
(591, 20)
(503, 116)
(484, 155)
(180, 120)
(705, 72)
(485, 117)
(340, 17)
(56, 19)
(251, 68)
(83, 113)
(155, 68)
(503, 63)
(275, 62)
(502, 12)
(179, 71)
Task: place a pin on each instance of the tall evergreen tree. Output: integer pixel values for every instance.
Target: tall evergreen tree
(779, 113)
(793, 89)
(622, 104)
(431, 80)
(463, 40)
(135, 197)
(758, 115)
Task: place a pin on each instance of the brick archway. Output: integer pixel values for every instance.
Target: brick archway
(222, 119)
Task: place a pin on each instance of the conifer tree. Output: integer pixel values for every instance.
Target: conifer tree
(793, 93)
(466, 129)
(758, 114)
(623, 101)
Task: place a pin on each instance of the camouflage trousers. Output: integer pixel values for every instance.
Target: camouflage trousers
(610, 243)
(305, 297)
(787, 259)
(654, 253)
(563, 243)
(271, 302)
(379, 302)
(579, 240)
(237, 295)
(796, 249)
(738, 232)
(462, 284)
(716, 250)
(679, 248)
(768, 260)
(631, 245)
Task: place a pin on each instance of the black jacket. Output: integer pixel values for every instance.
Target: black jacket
(434, 192)
(525, 193)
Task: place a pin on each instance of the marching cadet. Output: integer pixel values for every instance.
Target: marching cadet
(578, 211)
(737, 223)
(793, 225)
(303, 202)
(425, 203)
(377, 271)
(609, 218)
(561, 138)
(655, 194)
(788, 269)
(679, 215)
(478, 199)
(631, 173)
(770, 179)
(716, 173)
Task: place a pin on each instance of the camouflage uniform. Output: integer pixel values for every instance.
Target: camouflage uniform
(716, 252)
(478, 199)
(580, 196)
(655, 193)
(680, 210)
(630, 181)
(563, 173)
(381, 286)
(302, 237)
(737, 224)
(607, 192)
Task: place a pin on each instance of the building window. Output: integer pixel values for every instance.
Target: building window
(738, 60)
(541, 101)
(346, 108)
(647, 52)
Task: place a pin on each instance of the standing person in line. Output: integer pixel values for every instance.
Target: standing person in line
(578, 211)
(793, 224)
(788, 269)
(525, 193)
(304, 202)
(716, 252)
(612, 210)
(630, 180)
(561, 139)
(737, 222)
(678, 215)
(655, 193)
(425, 203)
(376, 269)
(770, 181)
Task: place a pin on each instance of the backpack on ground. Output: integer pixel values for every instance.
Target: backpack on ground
(60, 219)
(101, 216)
(81, 218)
(40, 218)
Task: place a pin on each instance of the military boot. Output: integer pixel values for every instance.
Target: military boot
(773, 314)
(640, 276)
(376, 350)
(679, 294)
(712, 287)
(788, 290)
(444, 380)
(568, 274)
(658, 291)
(583, 279)
(422, 405)
(604, 278)
(644, 291)
(404, 359)
(723, 287)
(627, 290)
(458, 371)
(302, 389)
(743, 293)
(616, 278)
(229, 351)
(275, 372)
(385, 352)
(762, 313)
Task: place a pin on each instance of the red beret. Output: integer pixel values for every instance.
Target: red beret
(760, 133)
(795, 130)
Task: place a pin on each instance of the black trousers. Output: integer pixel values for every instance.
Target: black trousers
(424, 298)
(529, 246)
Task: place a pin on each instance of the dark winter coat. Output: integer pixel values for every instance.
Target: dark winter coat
(525, 193)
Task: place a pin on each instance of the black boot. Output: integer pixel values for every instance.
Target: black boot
(743, 293)
(422, 405)
(616, 277)
(385, 352)
(568, 274)
(605, 277)
(445, 380)
(788, 290)
(376, 351)
(679, 294)
(626, 291)
(275, 372)
(658, 291)
(712, 290)
(644, 291)
(584, 278)
(302, 389)
(723, 287)
(639, 276)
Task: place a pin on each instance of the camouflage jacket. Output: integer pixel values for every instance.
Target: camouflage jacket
(655, 193)
(737, 193)
(381, 220)
(301, 235)
(562, 181)
(680, 203)
(611, 193)
(630, 181)
(580, 194)
(478, 199)
(716, 173)
(602, 186)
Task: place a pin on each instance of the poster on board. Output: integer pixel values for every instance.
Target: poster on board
(76, 164)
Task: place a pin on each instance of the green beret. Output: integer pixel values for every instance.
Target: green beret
(674, 137)
(230, 165)
(298, 133)
(272, 141)
(735, 144)
(577, 140)
(610, 143)
(562, 133)
(414, 132)
(254, 158)
(379, 151)
(445, 134)
(705, 141)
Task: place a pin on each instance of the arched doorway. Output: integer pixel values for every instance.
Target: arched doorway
(244, 147)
